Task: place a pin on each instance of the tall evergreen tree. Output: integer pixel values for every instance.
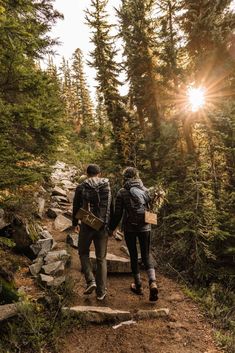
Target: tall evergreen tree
(81, 92)
(30, 106)
(101, 119)
(138, 33)
(51, 68)
(208, 28)
(169, 47)
(201, 206)
(72, 105)
(104, 61)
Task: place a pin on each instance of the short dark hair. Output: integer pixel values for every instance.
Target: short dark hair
(93, 170)
(130, 172)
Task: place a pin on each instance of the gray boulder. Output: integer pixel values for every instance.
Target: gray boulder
(41, 202)
(97, 314)
(59, 255)
(59, 191)
(45, 279)
(62, 223)
(54, 268)
(36, 267)
(68, 184)
(68, 212)
(60, 199)
(151, 314)
(70, 195)
(57, 281)
(72, 239)
(45, 234)
(42, 247)
(54, 204)
(50, 281)
(115, 264)
(54, 212)
(7, 311)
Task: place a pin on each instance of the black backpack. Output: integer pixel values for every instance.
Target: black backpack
(97, 199)
(139, 203)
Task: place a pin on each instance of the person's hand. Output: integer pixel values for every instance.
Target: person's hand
(77, 229)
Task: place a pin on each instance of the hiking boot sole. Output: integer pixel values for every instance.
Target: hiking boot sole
(90, 289)
(101, 297)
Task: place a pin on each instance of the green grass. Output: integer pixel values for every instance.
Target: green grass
(39, 326)
(218, 304)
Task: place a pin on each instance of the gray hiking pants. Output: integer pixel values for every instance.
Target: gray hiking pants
(100, 239)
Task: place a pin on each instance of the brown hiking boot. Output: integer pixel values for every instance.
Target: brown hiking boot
(137, 289)
(153, 292)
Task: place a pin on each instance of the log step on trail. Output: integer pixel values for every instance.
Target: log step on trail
(99, 315)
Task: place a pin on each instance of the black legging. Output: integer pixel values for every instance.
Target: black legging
(144, 241)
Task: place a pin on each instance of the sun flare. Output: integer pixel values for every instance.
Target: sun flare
(196, 97)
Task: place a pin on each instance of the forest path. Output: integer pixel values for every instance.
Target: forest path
(186, 330)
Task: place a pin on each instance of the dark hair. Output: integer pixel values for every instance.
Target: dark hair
(93, 170)
(130, 172)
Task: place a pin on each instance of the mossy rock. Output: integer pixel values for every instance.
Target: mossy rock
(25, 234)
(8, 292)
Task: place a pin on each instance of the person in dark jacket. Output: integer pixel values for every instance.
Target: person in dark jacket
(99, 189)
(134, 230)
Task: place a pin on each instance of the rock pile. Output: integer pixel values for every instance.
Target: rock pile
(64, 175)
(60, 207)
(49, 264)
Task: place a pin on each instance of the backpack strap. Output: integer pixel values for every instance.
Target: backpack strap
(97, 190)
(108, 207)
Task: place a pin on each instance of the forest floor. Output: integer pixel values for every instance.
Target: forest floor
(186, 330)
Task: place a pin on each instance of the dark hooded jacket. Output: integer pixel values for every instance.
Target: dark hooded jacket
(101, 205)
(123, 203)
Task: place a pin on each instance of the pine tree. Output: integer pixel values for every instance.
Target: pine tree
(101, 118)
(208, 27)
(81, 92)
(201, 206)
(169, 50)
(30, 106)
(51, 68)
(72, 105)
(103, 60)
(138, 33)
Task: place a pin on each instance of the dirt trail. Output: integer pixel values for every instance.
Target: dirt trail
(184, 331)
